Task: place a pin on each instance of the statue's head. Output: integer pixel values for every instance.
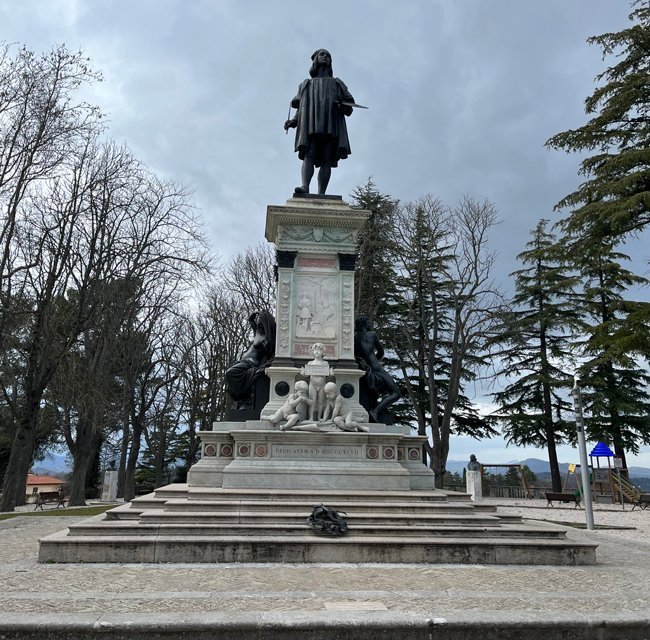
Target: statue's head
(330, 390)
(301, 388)
(321, 57)
(361, 323)
(317, 348)
(472, 458)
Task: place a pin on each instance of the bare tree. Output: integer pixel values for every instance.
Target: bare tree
(250, 277)
(219, 334)
(56, 319)
(41, 129)
(168, 259)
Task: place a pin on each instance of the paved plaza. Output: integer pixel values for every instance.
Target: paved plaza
(609, 600)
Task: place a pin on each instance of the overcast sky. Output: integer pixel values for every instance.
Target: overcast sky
(462, 95)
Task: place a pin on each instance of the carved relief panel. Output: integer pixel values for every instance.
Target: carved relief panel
(317, 307)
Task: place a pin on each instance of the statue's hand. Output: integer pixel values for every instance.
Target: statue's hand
(290, 124)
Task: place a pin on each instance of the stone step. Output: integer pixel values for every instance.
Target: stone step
(205, 493)
(133, 510)
(176, 490)
(60, 547)
(299, 517)
(132, 513)
(124, 512)
(177, 524)
(306, 506)
(116, 528)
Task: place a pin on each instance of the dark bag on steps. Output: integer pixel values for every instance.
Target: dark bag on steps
(326, 520)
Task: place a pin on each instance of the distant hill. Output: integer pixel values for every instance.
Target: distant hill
(538, 466)
(52, 465)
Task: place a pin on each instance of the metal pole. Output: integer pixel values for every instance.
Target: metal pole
(582, 449)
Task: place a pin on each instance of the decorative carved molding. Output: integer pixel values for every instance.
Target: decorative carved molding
(347, 312)
(310, 233)
(284, 307)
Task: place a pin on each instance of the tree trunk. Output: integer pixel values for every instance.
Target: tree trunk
(22, 452)
(124, 450)
(93, 478)
(556, 478)
(78, 479)
(549, 427)
(81, 456)
(159, 460)
(129, 476)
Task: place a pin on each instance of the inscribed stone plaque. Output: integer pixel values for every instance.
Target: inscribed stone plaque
(323, 451)
(321, 369)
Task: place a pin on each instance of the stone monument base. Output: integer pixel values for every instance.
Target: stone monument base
(248, 499)
(255, 455)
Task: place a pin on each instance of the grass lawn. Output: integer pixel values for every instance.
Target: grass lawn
(74, 511)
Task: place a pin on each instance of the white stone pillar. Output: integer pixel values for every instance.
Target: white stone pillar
(109, 488)
(474, 487)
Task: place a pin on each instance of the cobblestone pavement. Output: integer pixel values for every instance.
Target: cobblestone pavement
(619, 586)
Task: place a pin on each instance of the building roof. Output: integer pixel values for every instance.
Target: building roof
(33, 479)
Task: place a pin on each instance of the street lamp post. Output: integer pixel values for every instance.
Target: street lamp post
(582, 449)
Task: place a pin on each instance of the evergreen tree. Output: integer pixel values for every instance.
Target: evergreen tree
(616, 399)
(440, 316)
(614, 200)
(535, 340)
(374, 277)
(513, 476)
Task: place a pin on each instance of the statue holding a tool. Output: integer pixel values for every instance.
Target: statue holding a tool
(322, 104)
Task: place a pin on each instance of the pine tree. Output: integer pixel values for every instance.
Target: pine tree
(374, 277)
(616, 399)
(440, 317)
(535, 340)
(614, 200)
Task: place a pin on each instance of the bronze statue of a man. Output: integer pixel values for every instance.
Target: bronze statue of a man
(321, 135)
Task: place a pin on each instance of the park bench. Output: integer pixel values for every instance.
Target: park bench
(642, 502)
(50, 497)
(562, 497)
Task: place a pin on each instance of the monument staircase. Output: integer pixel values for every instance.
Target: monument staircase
(260, 475)
(178, 523)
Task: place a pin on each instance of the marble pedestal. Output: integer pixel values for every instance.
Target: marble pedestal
(109, 486)
(247, 455)
(316, 243)
(473, 484)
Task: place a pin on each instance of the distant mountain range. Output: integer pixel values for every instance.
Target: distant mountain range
(52, 465)
(538, 466)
